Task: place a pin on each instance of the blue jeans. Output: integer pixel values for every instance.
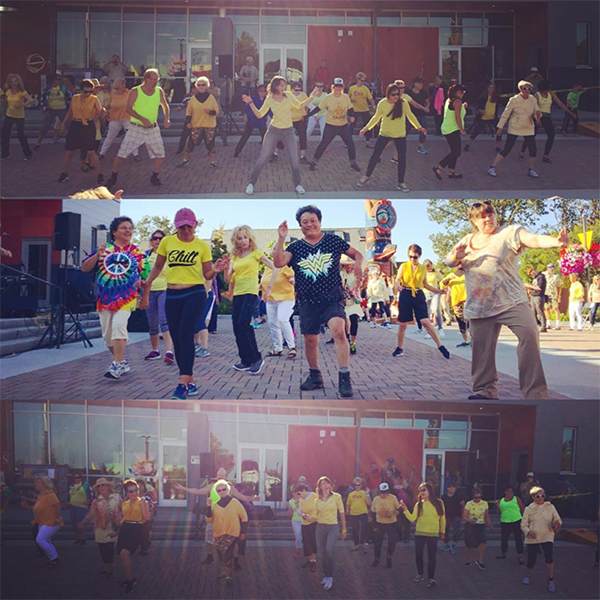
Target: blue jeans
(454, 524)
(77, 514)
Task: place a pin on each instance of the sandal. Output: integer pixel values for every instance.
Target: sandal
(84, 168)
(272, 353)
(292, 353)
(437, 172)
(454, 175)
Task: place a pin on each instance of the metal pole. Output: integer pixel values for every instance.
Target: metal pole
(584, 218)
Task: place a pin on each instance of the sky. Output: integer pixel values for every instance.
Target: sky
(414, 226)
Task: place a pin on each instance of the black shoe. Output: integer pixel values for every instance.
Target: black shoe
(208, 560)
(256, 367)
(398, 352)
(375, 563)
(304, 160)
(53, 563)
(478, 397)
(100, 179)
(444, 351)
(112, 180)
(63, 177)
(466, 148)
(154, 180)
(313, 166)
(354, 167)
(236, 154)
(236, 564)
(388, 563)
(331, 341)
(345, 385)
(314, 381)
(273, 158)
(130, 585)
(241, 367)
(28, 157)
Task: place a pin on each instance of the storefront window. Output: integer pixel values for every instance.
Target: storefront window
(331, 17)
(470, 19)
(243, 16)
(425, 420)
(67, 440)
(274, 16)
(390, 19)
(105, 14)
(31, 439)
(71, 45)
(105, 445)
(30, 406)
(342, 417)
(286, 34)
(223, 446)
(105, 40)
(204, 15)
(65, 407)
(451, 36)
(261, 433)
(456, 421)
(472, 36)
(171, 14)
(138, 14)
(442, 19)
(246, 44)
(452, 440)
(200, 32)
(141, 446)
(414, 19)
(73, 14)
(173, 429)
(567, 457)
(400, 420)
(171, 48)
(308, 17)
(138, 47)
(372, 419)
(174, 409)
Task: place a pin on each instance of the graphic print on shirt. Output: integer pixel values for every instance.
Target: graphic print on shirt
(316, 264)
(181, 258)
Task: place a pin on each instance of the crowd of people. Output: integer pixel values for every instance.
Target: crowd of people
(281, 111)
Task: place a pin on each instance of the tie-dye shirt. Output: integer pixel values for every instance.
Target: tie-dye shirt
(118, 271)
(317, 268)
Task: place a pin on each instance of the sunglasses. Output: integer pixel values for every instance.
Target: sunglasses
(540, 496)
(86, 91)
(154, 239)
(413, 257)
(395, 94)
(529, 89)
(421, 490)
(132, 491)
(319, 86)
(222, 490)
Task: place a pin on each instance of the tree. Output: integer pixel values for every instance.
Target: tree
(245, 45)
(452, 214)
(148, 224)
(569, 213)
(217, 246)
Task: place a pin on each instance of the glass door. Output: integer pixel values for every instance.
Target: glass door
(450, 61)
(433, 469)
(263, 472)
(173, 469)
(199, 62)
(37, 256)
(285, 60)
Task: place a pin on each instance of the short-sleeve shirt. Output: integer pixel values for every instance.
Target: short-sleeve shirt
(295, 515)
(357, 502)
(317, 268)
(476, 510)
(282, 288)
(299, 113)
(420, 98)
(337, 109)
(492, 274)
(44, 512)
(245, 273)
(184, 259)
(115, 71)
(307, 506)
(385, 508)
(16, 104)
(360, 96)
(160, 283)
(118, 272)
(327, 510)
(553, 283)
(576, 292)
(573, 98)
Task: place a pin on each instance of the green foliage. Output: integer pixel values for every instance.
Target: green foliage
(245, 45)
(569, 213)
(217, 246)
(148, 224)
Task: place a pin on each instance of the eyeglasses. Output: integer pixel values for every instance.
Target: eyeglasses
(156, 238)
(132, 491)
(540, 496)
(86, 91)
(201, 85)
(421, 490)
(480, 204)
(221, 490)
(413, 257)
(529, 89)
(395, 94)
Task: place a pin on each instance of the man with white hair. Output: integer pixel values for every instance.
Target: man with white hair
(115, 68)
(249, 76)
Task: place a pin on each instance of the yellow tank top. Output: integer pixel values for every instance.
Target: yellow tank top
(411, 279)
(545, 103)
(83, 111)
(132, 512)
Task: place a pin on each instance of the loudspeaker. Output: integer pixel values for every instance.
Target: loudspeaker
(223, 49)
(14, 306)
(79, 296)
(67, 231)
(207, 465)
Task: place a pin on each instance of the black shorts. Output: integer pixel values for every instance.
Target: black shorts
(107, 552)
(130, 536)
(409, 305)
(309, 539)
(475, 535)
(81, 137)
(312, 316)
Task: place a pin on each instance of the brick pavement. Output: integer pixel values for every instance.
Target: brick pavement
(576, 167)
(173, 570)
(421, 374)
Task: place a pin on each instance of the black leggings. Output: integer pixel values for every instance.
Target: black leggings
(383, 308)
(479, 126)
(242, 311)
(546, 121)
(184, 308)
(528, 142)
(364, 117)
(246, 136)
(450, 159)
(7, 128)
(329, 134)
(403, 528)
(300, 127)
(380, 145)
(568, 118)
(431, 542)
(383, 529)
(359, 525)
(353, 325)
(532, 552)
(593, 312)
(185, 134)
(107, 552)
(462, 325)
(505, 530)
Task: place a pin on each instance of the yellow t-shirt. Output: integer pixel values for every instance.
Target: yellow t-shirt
(489, 112)
(160, 283)
(104, 98)
(44, 511)
(433, 279)
(282, 289)
(132, 512)
(411, 279)
(245, 273)
(359, 96)
(16, 104)
(458, 288)
(308, 507)
(576, 292)
(226, 521)
(357, 502)
(195, 109)
(476, 510)
(282, 111)
(184, 259)
(337, 109)
(385, 508)
(118, 107)
(327, 512)
(299, 113)
(393, 128)
(56, 98)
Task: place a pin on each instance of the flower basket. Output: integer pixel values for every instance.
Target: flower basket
(574, 258)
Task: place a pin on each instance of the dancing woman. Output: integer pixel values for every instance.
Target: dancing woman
(487, 115)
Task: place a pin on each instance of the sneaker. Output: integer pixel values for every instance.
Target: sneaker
(63, 177)
(464, 345)
(256, 367)
(427, 336)
(304, 160)
(551, 585)
(273, 158)
(328, 584)
(444, 352)
(453, 550)
(387, 325)
(468, 564)
(480, 565)
(130, 585)
(403, 188)
(322, 582)
(441, 334)
(27, 157)
(114, 371)
(314, 381)
(183, 163)
(492, 172)
(154, 180)
(180, 392)
(417, 331)
(153, 355)
(547, 159)
(466, 148)
(100, 179)
(532, 173)
(375, 563)
(398, 352)
(345, 385)
(431, 583)
(37, 146)
(521, 156)
(125, 368)
(388, 562)
(354, 167)
(169, 357)
(422, 150)
(112, 180)
(203, 353)
(362, 181)
(250, 189)
(370, 144)
(255, 325)
(214, 165)
(394, 160)
(313, 166)
(418, 578)
(373, 325)
(526, 581)
(300, 190)
(192, 389)
(240, 367)
(445, 548)
(352, 348)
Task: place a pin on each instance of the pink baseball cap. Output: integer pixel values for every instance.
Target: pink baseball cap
(185, 216)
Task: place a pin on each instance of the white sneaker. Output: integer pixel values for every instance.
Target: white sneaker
(492, 172)
(114, 371)
(418, 331)
(373, 325)
(300, 190)
(427, 336)
(250, 189)
(324, 580)
(532, 173)
(403, 188)
(362, 181)
(125, 368)
(441, 334)
(328, 584)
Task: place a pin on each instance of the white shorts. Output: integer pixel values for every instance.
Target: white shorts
(114, 325)
(137, 135)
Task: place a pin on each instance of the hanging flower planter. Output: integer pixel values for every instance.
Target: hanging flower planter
(574, 258)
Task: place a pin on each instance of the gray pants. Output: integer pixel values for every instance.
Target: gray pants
(327, 536)
(274, 135)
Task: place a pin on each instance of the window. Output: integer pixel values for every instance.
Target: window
(356, 17)
(274, 16)
(442, 19)
(138, 46)
(583, 44)
(372, 419)
(173, 429)
(254, 413)
(284, 34)
(283, 415)
(567, 456)
(135, 408)
(223, 445)
(141, 446)
(456, 422)
(399, 420)
(246, 44)
(31, 439)
(390, 19)
(308, 17)
(139, 14)
(261, 433)
(331, 17)
(105, 40)
(312, 417)
(342, 417)
(71, 46)
(67, 440)
(105, 445)
(414, 19)
(171, 49)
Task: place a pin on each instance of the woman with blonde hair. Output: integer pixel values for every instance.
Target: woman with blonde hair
(46, 513)
(496, 296)
(17, 99)
(357, 508)
(243, 276)
(576, 302)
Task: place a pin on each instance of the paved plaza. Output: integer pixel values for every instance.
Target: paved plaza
(574, 173)
(570, 360)
(174, 570)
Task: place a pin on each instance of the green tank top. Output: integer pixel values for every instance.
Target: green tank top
(509, 511)
(449, 124)
(146, 106)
